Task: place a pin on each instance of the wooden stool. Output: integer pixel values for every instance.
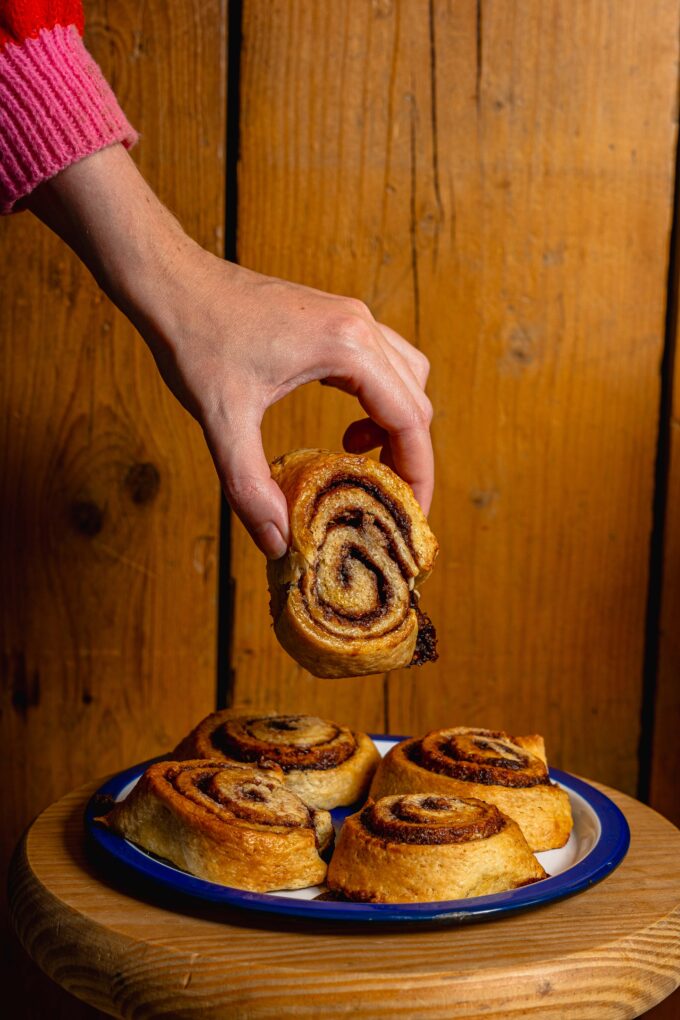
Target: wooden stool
(613, 951)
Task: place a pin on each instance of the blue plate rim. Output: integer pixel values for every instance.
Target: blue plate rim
(608, 852)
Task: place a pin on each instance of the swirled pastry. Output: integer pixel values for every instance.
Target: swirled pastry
(344, 598)
(230, 824)
(510, 772)
(419, 847)
(325, 764)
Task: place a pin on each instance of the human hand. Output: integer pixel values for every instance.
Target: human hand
(230, 342)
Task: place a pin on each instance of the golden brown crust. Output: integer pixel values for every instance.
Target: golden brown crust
(422, 847)
(327, 765)
(344, 597)
(231, 824)
(479, 756)
(426, 819)
(489, 765)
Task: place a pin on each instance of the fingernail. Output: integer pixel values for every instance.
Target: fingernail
(271, 541)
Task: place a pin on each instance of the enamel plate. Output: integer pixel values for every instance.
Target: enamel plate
(598, 843)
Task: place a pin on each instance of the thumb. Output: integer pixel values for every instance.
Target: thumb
(252, 493)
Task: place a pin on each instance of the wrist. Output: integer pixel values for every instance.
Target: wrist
(150, 283)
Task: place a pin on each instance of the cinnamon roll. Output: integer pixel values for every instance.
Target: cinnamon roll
(344, 599)
(510, 772)
(420, 847)
(230, 824)
(325, 764)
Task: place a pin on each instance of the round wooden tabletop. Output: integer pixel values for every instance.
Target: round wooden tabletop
(613, 951)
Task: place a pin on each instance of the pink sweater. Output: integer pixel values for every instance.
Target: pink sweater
(55, 106)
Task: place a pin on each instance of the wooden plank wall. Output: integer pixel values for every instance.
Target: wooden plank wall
(110, 506)
(495, 180)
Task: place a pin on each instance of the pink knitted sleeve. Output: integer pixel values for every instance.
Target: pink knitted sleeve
(55, 106)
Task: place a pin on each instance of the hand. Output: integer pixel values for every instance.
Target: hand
(230, 342)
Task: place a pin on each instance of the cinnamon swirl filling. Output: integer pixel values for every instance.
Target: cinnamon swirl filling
(364, 570)
(427, 819)
(343, 598)
(237, 794)
(489, 757)
(226, 823)
(290, 741)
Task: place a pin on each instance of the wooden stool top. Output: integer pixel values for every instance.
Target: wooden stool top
(613, 951)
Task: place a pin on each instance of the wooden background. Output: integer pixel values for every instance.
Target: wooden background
(495, 178)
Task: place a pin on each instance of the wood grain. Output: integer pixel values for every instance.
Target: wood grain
(490, 178)
(31, 995)
(610, 952)
(110, 505)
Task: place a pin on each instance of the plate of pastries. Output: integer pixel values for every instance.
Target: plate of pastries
(299, 815)
(294, 814)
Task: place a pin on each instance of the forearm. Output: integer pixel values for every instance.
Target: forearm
(230, 342)
(106, 212)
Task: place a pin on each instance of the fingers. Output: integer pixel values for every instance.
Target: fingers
(408, 362)
(415, 359)
(410, 454)
(395, 402)
(247, 483)
(362, 436)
